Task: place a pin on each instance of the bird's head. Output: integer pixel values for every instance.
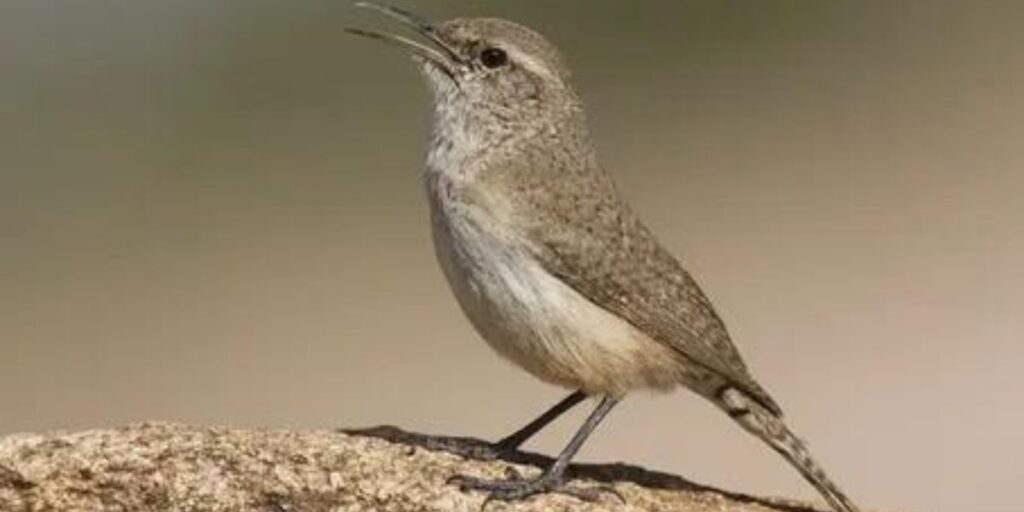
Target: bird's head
(489, 77)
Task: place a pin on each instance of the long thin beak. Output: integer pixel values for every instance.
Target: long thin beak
(441, 53)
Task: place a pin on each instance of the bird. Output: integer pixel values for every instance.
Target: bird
(552, 267)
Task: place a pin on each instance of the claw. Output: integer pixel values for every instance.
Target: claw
(462, 481)
(515, 488)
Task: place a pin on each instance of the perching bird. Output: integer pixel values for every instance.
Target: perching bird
(549, 263)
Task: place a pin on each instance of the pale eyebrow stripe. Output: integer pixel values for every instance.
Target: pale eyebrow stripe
(533, 64)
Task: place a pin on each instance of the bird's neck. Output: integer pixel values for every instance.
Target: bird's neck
(467, 139)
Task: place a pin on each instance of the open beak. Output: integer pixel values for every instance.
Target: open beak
(441, 53)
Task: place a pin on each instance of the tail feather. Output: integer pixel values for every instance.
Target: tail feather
(770, 428)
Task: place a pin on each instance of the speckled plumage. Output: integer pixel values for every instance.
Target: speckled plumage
(548, 262)
(535, 175)
(586, 236)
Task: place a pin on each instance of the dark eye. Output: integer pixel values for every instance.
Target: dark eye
(493, 57)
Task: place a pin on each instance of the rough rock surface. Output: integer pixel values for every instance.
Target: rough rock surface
(168, 467)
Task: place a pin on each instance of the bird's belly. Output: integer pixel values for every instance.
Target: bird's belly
(540, 323)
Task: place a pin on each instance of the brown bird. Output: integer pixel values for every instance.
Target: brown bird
(551, 266)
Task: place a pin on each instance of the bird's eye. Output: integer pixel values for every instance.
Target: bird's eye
(493, 57)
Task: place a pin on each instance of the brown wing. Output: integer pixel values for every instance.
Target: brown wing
(587, 237)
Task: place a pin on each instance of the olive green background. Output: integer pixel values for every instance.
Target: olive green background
(211, 212)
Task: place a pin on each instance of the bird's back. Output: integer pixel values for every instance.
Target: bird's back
(571, 222)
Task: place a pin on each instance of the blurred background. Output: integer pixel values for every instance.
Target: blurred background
(212, 212)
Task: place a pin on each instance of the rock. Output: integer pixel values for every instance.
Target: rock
(169, 467)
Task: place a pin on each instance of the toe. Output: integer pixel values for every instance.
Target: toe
(472, 483)
(515, 488)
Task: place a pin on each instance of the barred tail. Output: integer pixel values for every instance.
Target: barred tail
(768, 426)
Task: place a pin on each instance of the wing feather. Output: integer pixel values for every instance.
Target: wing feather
(589, 238)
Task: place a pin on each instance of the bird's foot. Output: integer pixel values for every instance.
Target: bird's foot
(475, 449)
(469, 448)
(516, 488)
(465, 447)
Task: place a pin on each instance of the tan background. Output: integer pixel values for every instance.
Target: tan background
(211, 212)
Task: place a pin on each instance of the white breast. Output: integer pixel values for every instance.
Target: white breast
(530, 316)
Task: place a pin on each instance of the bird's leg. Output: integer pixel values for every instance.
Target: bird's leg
(482, 450)
(553, 479)
(491, 451)
(517, 438)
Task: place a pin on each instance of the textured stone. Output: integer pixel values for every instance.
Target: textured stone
(168, 467)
